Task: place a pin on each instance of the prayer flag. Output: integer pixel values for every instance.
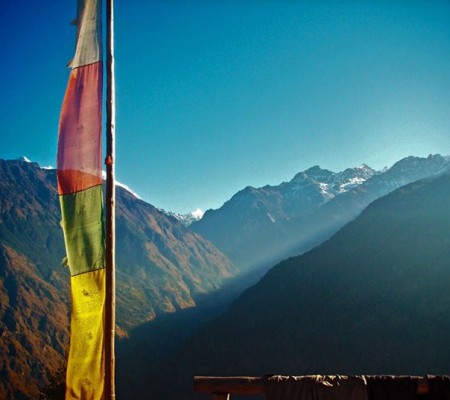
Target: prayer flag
(79, 171)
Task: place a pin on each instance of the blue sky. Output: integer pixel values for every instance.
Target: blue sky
(213, 96)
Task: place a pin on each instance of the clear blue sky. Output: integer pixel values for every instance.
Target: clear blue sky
(213, 96)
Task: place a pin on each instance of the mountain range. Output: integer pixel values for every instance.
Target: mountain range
(261, 226)
(172, 281)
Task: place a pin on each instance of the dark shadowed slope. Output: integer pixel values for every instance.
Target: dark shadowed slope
(372, 299)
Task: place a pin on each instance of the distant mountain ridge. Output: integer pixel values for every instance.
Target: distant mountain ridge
(161, 267)
(261, 226)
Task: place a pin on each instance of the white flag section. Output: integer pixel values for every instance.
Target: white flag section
(89, 33)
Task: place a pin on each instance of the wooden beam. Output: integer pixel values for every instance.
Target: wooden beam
(224, 385)
(229, 384)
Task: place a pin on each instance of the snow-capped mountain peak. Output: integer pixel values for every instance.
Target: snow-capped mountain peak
(27, 160)
(352, 177)
(331, 183)
(197, 213)
(189, 218)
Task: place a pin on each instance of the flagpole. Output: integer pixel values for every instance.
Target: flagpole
(110, 208)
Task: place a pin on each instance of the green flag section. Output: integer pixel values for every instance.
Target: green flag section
(79, 165)
(82, 223)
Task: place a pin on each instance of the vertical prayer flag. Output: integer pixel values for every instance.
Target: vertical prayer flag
(79, 170)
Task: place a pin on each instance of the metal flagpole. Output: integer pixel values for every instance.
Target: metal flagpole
(110, 318)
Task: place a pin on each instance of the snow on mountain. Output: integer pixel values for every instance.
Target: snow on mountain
(123, 186)
(27, 160)
(187, 219)
(197, 213)
(352, 177)
(328, 183)
(128, 189)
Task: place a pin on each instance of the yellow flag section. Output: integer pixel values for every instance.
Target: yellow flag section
(79, 170)
(86, 369)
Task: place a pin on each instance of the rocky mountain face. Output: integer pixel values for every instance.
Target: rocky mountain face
(261, 226)
(162, 267)
(33, 285)
(373, 299)
(163, 263)
(34, 321)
